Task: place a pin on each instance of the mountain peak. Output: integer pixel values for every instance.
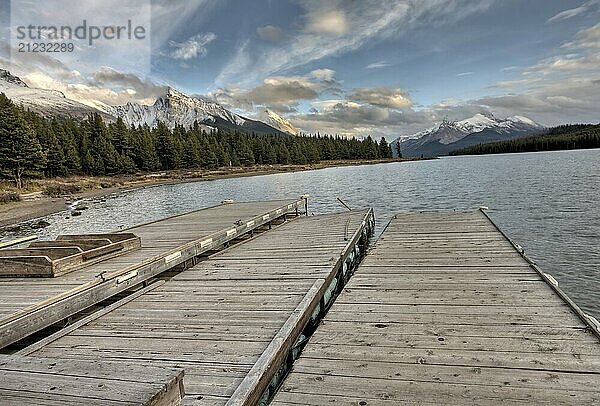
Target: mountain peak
(6, 76)
(523, 119)
(280, 123)
(172, 92)
(482, 127)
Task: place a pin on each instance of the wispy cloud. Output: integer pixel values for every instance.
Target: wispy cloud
(587, 38)
(378, 65)
(574, 12)
(460, 75)
(193, 47)
(353, 23)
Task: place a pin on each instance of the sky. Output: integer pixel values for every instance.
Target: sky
(369, 67)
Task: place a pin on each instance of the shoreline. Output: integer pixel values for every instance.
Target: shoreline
(26, 210)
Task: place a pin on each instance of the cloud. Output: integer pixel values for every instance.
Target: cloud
(330, 22)
(460, 75)
(106, 87)
(565, 64)
(377, 65)
(386, 97)
(352, 119)
(169, 16)
(278, 93)
(576, 98)
(583, 56)
(353, 23)
(574, 12)
(323, 74)
(564, 15)
(587, 38)
(193, 47)
(142, 89)
(24, 62)
(271, 33)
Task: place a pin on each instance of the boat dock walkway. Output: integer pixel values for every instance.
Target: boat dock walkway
(30, 304)
(445, 309)
(31, 381)
(235, 321)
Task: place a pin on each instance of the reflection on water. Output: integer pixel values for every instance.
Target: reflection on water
(547, 202)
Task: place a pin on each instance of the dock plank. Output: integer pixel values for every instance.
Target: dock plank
(27, 380)
(31, 304)
(445, 310)
(231, 320)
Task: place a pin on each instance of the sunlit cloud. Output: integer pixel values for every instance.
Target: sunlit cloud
(193, 47)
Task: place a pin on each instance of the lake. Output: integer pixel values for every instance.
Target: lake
(546, 202)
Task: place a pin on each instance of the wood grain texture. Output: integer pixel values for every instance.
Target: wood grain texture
(28, 380)
(29, 305)
(445, 310)
(230, 320)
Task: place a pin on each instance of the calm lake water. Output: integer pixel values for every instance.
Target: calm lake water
(546, 202)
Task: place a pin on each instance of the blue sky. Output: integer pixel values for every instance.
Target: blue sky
(380, 67)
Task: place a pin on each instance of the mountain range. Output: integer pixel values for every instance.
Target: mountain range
(173, 108)
(452, 135)
(176, 108)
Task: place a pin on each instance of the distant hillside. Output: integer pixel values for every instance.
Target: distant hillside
(579, 136)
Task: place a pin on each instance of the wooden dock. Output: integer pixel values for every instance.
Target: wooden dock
(28, 305)
(30, 381)
(446, 310)
(234, 322)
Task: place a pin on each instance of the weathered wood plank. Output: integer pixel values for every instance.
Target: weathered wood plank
(446, 310)
(227, 327)
(165, 244)
(87, 382)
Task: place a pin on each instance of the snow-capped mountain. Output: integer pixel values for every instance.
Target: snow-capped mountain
(49, 103)
(278, 122)
(448, 136)
(173, 108)
(176, 108)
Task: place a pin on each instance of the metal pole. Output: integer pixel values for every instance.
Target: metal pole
(345, 205)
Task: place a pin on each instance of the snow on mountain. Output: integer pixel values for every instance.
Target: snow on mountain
(49, 103)
(451, 131)
(173, 108)
(450, 135)
(6, 76)
(278, 122)
(176, 108)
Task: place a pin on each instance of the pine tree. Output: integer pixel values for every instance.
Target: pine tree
(192, 157)
(165, 147)
(55, 157)
(120, 136)
(398, 145)
(20, 152)
(244, 152)
(143, 149)
(385, 151)
(222, 155)
(72, 161)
